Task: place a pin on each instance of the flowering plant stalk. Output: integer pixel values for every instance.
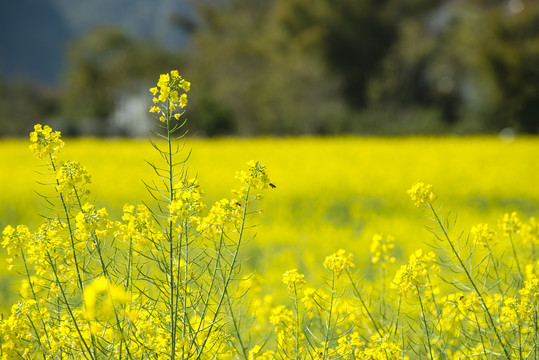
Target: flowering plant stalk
(156, 284)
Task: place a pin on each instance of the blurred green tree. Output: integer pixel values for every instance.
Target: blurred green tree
(372, 65)
(23, 104)
(474, 62)
(254, 77)
(101, 65)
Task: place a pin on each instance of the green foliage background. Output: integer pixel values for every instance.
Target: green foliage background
(311, 67)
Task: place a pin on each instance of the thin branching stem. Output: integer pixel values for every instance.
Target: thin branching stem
(472, 282)
(329, 328)
(91, 353)
(425, 325)
(357, 293)
(232, 267)
(297, 321)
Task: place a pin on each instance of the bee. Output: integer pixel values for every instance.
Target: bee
(272, 185)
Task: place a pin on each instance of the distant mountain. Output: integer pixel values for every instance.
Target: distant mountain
(34, 33)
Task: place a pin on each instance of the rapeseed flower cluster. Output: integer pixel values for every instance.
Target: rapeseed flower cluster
(381, 248)
(293, 280)
(421, 193)
(380, 349)
(256, 175)
(45, 142)
(188, 201)
(339, 262)
(510, 224)
(167, 97)
(417, 274)
(257, 353)
(482, 234)
(14, 238)
(225, 213)
(100, 296)
(71, 177)
(91, 222)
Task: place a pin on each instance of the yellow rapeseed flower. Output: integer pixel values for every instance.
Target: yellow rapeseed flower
(482, 234)
(381, 248)
(167, 92)
(410, 278)
(45, 142)
(72, 176)
(187, 200)
(510, 224)
(293, 280)
(92, 222)
(15, 238)
(256, 353)
(101, 297)
(421, 193)
(339, 261)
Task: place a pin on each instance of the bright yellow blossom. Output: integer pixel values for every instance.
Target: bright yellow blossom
(187, 200)
(510, 224)
(482, 234)
(71, 177)
(256, 175)
(92, 222)
(44, 142)
(410, 278)
(15, 238)
(256, 353)
(101, 298)
(167, 93)
(339, 261)
(293, 280)
(381, 248)
(421, 193)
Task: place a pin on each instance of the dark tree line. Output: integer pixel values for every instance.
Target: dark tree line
(325, 67)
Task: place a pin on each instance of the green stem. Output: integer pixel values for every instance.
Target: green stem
(71, 234)
(480, 335)
(516, 259)
(70, 311)
(35, 299)
(228, 278)
(170, 238)
(358, 295)
(236, 324)
(495, 265)
(296, 310)
(472, 282)
(330, 316)
(424, 316)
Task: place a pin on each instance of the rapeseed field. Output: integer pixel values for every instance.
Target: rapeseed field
(331, 192)
(328, 248)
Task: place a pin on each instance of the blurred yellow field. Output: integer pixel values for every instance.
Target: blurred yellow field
(327, 194)
(331, 192)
